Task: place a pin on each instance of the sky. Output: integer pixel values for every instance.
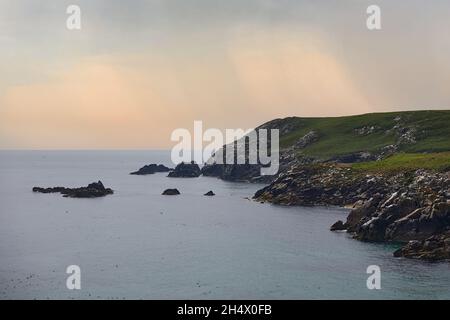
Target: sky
(137, 70)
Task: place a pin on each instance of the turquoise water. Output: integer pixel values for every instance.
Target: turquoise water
(139, 244)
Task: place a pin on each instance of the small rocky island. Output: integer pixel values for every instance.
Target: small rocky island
(151, 169)
(93, 190)
(185, 170)
(210, 194)
(171, 192)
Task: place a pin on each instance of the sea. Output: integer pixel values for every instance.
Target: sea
(139, 244)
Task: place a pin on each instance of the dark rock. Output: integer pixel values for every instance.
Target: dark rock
(338, 226)
(434, 248)
(236, 172)
(394, 208)
(171, 192)
(185, 170)
(241, 172)
(210, 193)
(93, 190)
(151, 169)
(372, 230)
(212, 170)
(308, 185)
(363, 209)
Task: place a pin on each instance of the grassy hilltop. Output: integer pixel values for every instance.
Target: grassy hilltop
(416, 139)
(408, 161)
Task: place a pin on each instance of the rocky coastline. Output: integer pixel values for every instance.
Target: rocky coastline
(404, 199)
(395, 195)
(412, 207)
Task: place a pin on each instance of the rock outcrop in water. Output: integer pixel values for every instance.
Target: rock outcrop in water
(171, 192)
(338, 226)
(151, 169)
(93, 190)
(185, 170)
(410, 207)
(434, 248)
(209, 194)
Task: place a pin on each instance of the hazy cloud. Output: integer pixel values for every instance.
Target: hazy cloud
(139, 69)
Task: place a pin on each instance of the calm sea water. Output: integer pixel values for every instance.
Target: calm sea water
(139, 244)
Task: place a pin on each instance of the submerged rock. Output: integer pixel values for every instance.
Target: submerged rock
(185, 170)
(171, 192)
(209, 194)
(93, 190)
(151, 169)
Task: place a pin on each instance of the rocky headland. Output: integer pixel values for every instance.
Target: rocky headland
(392, 170)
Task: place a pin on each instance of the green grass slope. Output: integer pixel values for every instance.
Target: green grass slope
(342, 135)
(406, 162)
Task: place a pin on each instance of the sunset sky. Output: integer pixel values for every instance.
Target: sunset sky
(139, 69)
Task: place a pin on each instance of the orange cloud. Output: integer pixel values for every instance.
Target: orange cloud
(285, 75)
(135, 102)
(92, 106)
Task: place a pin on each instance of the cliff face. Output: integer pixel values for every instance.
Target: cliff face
(392, 169)
(352, 139)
